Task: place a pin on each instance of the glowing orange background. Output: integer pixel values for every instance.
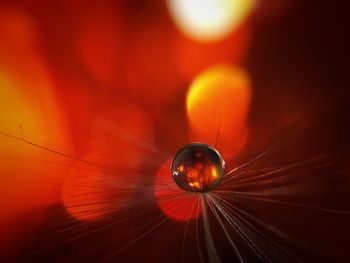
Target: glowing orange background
(117, 83)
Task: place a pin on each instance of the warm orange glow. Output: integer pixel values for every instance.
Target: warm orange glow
(90, 193)
(172, 200)
(217, 108)
(98, 35)
(192, 57)
(214, 174)
(149, 70)
(126, 133)
(181, 168)
(197, 167)
(200, 176)
(29, 111)
(209, 20)
(17, 31)
(120, 141)
(30, 176)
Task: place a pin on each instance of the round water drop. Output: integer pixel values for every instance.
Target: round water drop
(197, 167)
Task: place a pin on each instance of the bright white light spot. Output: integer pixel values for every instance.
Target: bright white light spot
(209, 20)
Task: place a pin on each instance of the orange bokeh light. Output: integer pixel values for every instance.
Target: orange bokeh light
(217, 108)
(192, 57)
(209, 20)
(30, 112)
(98, 37)
(93, 190)
(77, 75)
(31, 176)
(172, 200)
(120, 140)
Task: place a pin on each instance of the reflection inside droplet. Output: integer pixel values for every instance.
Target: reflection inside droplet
(197, 168)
